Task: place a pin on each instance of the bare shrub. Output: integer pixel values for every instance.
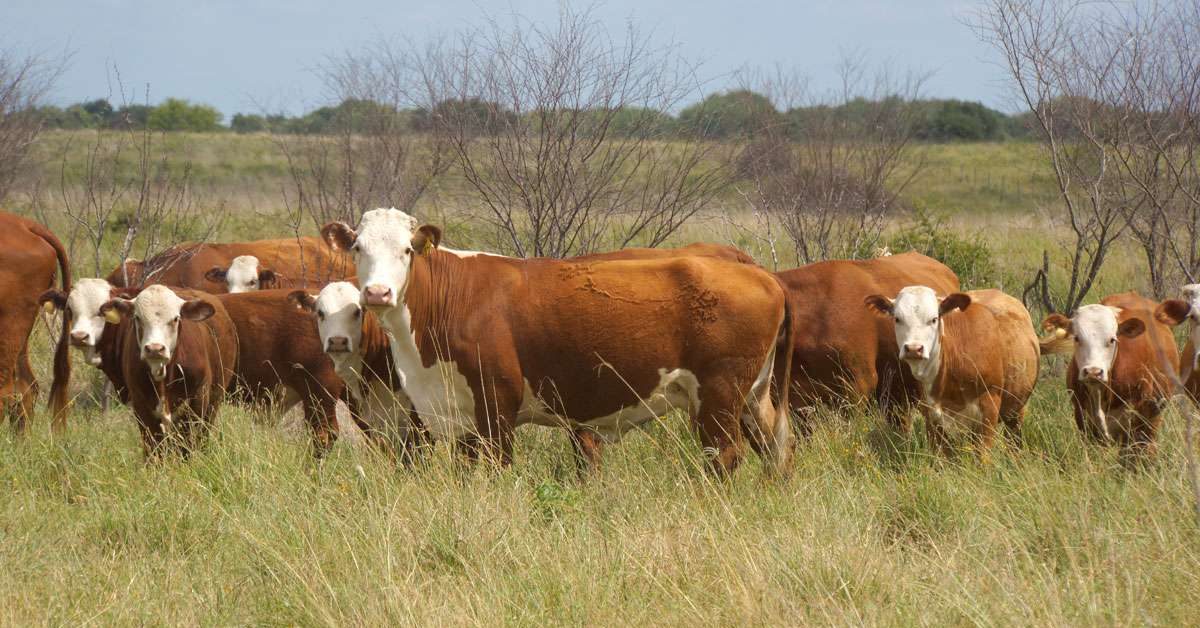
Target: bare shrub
(833, 167)
(24, 82)
(558, 132)
(132, 195)
(370, 154)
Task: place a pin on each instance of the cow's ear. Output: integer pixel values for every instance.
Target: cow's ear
(267, 277)
(1131, 328)
(426, 239)
(53, 300)
(956, 301)
(879, 303)
(115, 309)
(197, 310)
(303, 300)
(339, 236)
(1056, 322)
(1172, 312)
(216, 274)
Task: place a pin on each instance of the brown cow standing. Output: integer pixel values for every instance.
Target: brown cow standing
(284, 263)
(485, 343)
(279, 348)
(974, 356)
(1121, 369)
(178, 361)
(29, 258)
(844, 352)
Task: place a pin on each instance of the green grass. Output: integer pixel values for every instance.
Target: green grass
(870, 529)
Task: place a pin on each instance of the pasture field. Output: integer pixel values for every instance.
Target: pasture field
(870, 529)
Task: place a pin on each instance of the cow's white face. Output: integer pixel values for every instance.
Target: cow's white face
(339, 318)
(242, 275)
(1096, 329)
(1191, 296)
(918, 323)
(384, 248)
(87, 323)
(156, 312)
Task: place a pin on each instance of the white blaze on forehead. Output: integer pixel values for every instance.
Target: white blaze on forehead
(339, 313)
(155, 309)
(383, 243)
(1095, 329)
(242, 275)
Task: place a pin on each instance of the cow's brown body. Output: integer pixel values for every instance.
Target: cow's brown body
(279, 352)
(989, 367)
(30, 257)
(199, 374)
(1139, 386)
(844, 353)
(574, 343)
(298, 263)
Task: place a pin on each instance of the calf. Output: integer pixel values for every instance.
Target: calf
(1121, 369)
(177, 360)
(974, 356)
(280, 352)
(362, 357)
(485, 343)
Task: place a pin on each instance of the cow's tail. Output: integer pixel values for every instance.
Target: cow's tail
(1058, 342)
(60, 386)
(782, 431)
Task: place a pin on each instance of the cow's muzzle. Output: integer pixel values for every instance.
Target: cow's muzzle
(379, 296)
(80, 339)
(913, 352)
(1093, 375)
(337, 344)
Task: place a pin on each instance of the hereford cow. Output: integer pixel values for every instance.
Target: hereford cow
(358, 347)
(1174, 312)
(484, 343)
(98, 339)
(974, 356)
(30, 256)
(280, 360)
(238, 266)
(1121, 369)
(846, 353)
(178, 361)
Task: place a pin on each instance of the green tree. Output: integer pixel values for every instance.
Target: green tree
(248, 123)
(176, 114)
(740, 113)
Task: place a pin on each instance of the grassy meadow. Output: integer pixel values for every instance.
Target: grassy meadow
(870, 529)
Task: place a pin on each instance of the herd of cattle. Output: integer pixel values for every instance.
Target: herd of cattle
(426, 343)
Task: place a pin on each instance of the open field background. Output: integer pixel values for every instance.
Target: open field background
(871, 529)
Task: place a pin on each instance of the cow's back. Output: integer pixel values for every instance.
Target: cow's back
(274, 338)
(1012, 337)
(1144, 364)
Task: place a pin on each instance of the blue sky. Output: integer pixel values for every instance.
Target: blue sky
(255, 54)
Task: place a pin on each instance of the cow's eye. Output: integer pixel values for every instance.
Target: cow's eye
(320, 315)
(357, 313)
(933, 321)
(67, 312)
(1112, 341)
(254, 283)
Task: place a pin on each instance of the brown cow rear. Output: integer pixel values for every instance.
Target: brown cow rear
(29, 258)
(294, 262)
(845, 353)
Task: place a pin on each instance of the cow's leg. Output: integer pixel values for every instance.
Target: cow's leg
(27, 391)
(985, 427)
(935, 432)
(1139, 445)
(496, 402)
(588, 448)
(1012, 413)
(320, 412)
(719, 425)
(153, 438)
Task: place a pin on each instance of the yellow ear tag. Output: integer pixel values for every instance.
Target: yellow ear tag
(428, 247)
(113, 316)
(48, 306)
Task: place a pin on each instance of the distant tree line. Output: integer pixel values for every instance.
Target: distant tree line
(727, 115)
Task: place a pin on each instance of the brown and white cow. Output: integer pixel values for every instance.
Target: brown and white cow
(485, 343)
(361, 355)
(1120, 376)
(974, 356)
(847, 353)
(280, 361)
(98, 339)
(178, 361)
(1174, 312)
(239, 266)
(30, 256)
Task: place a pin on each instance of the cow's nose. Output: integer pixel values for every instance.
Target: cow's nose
(155, 348)
(914, 351)
(1093, 372)
(378, 295)
(337, 344)
(79, 337)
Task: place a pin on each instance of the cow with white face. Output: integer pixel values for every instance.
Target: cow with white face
(157, 314)
(1172, 312)
(1123, 359)
(244, 274)
(484, 343)
(974, 355)
(82, 308)
(361, 354)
